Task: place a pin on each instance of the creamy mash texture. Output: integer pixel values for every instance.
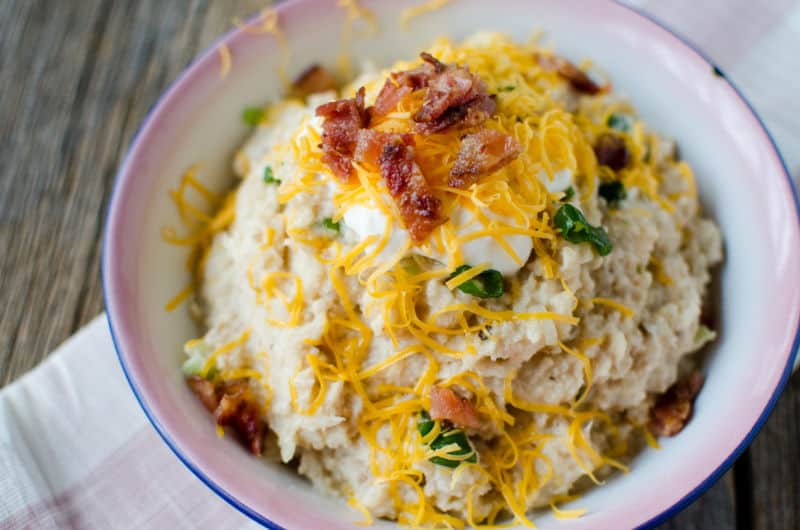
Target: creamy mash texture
(522, 344)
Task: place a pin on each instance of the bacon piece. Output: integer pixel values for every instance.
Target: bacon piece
(399, 84)
(482, 153)
(370, 145)
(455, 86)
(238, 408)
(455, 96)
(468, 115)
(389, 96)
(205, 391)
(313, 80)
(673, 409)
(420, 210)
(343, 119)
(446, 405)
(234, 404)
(612, 151)
(579, 80)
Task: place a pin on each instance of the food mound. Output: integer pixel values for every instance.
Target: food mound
(455, 291)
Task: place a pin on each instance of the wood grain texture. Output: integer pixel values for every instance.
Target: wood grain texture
(775, 459)
(77, 79)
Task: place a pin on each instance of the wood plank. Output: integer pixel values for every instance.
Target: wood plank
(776, 465)
(83, 76)
(715, 509)
(45, 230)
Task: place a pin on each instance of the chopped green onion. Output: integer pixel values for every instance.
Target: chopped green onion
(269, 177)
(620, 122)
(448, 436)
(576, 229)
(410, 265)
(488, 284)
(193, 365)
(612, 192)
(507, 88)
(330, 224)
(569, 193)
(704, 335)
(252, 115)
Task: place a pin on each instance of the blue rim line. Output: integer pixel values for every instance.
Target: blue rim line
(787, 372)
(213, 486)
(257, 517)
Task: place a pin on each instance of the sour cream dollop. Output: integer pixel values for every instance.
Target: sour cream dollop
(366, 221)
(561, 180)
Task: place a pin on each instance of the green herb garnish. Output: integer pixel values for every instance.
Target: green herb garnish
(448, 436)
(576, 229)
(703, 335)
(410, 265)
(193, 365)
(488, 284)
(569, 193)
(330, 224)
(612, 192)
(252, 115)
(507, 88)
(269, 177)
(620, 122)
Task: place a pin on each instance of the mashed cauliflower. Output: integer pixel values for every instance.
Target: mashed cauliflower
(556, 300)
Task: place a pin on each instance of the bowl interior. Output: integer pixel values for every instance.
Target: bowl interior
(741, 180)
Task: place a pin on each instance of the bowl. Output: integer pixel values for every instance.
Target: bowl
(741, 179)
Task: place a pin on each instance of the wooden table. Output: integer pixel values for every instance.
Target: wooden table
(76, 78)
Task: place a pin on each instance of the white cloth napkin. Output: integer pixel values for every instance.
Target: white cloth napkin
(76, 451)
(75, 448)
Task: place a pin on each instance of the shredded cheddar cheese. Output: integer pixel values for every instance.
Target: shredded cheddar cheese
(467, 275)
(565, 514)
(225, 60)
(354, 12)
(416, 11)
(613, 304)
(179, 298)
(658, 271)
(394, 275)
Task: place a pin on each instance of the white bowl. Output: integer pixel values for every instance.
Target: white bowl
(741, 180)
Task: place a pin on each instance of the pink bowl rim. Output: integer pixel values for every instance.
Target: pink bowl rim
(112, 292)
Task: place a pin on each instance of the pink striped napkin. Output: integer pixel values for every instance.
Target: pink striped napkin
(75, 448)
(76, 451)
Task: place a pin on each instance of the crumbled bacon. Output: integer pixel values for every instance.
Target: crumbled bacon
(420, 209)
(612, 151)
(205, 391)
(454, 96)
(579, 80)
(400, 84)
(343, 119)
(673, 409)
(452, 87)
(234, 404)
(470, 114)
(370, 145)
(446, 405)
(239, 409)
(482, 153)
(389, 96)
(313, 80)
